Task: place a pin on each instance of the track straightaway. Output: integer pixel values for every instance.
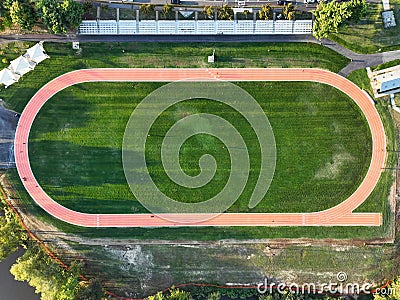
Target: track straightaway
(339, 215)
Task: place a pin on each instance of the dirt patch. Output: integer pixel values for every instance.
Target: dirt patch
(333, 168)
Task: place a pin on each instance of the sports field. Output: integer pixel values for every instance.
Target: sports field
(69, 176)
(323, 147)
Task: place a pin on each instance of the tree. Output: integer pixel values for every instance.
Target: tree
(146, 9)
(48, 278)
(331, 16)
(5, 18)
(72, 13)
(177, 294)
(358, 9)
(51, 14)
(87, 5)
(167, 10)
(265, 297)
(6, 4)
(394, 291)
(158, 296)
(225, 12)
(173, 294)
(266, 12)
(289, 11)
(214, 296)
(209, 11)
(23, 14)
(59, 17)
(91, 291)
(11, 233)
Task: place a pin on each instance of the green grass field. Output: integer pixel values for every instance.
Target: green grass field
(323, 147)
(160, 55)
(69, 141)
(369, 35)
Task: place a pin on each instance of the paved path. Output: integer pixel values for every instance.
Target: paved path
(360, 61)
(340, 215)
(299, 38)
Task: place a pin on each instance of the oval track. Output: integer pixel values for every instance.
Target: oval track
(339, 215)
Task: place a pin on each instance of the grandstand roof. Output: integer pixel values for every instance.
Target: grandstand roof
(21, 65)
(7, 77)
(37, 53)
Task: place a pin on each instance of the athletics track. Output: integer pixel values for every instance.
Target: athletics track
(339, 215)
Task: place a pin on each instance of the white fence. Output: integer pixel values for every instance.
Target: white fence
(195, 27)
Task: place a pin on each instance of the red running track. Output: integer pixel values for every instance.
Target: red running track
(339, 215)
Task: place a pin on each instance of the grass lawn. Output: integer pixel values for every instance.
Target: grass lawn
(153, 55)
(386, 65)
(323, 147)
(369, 35)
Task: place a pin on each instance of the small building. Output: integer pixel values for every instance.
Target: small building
(388, 19)
(385, 82)
(211, 58)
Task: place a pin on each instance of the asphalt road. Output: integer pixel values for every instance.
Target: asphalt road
(198, 38)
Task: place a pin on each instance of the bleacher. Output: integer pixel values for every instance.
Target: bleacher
(283, 27)
(225, 27)
(245, 27)
(302, 26)
(186, 27)
(205, 27)
(88, 27)
(195, 27)
(127, 27)
(108, 27)
(166, 27)
(147, 27)
(264, 27)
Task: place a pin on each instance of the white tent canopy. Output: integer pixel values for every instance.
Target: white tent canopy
(21, 65)
(7, 77)
(37, 53)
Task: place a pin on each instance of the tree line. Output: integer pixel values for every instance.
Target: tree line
(37, 268)
(224, 12)
(57, 16)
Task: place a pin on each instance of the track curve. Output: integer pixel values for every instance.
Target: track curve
(339, 215)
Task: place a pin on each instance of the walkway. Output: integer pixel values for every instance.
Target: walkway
(360, 61)
(340, 215)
